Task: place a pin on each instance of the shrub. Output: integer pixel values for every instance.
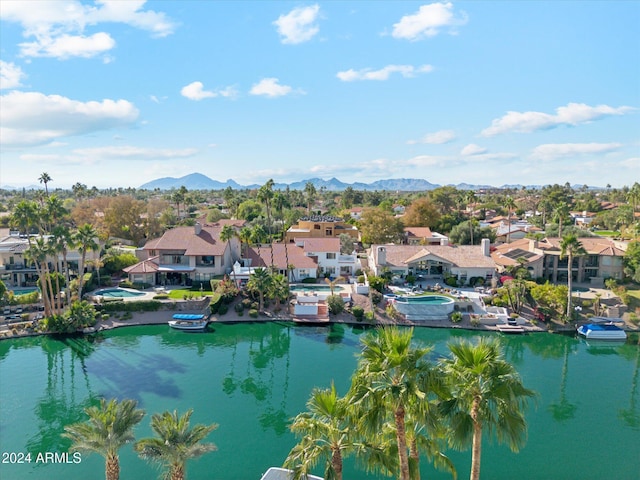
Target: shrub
(253, 313)
(141, 306)
(336, 304)
(161, 296)
(376, 297)
(224, 308)
(216, 301)
(358, 312)
(360, 279)
(239, 307)
(451, 281)
(391, 311)
(411, 279)
(246, 303)
(309, 280)
(369, 316)
(456, 317)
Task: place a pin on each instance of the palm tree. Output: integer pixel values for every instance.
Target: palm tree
(279, 289)
(511, 205)
(485, 392)
(45, 178)
(38, 252)
(226, 234)
(332, 283)
(633, 195)
(61, 240)
(470, 198)
(109, 427)
(325, 431)
(388, 383)
(175, 442)
(559, 214)
(570, 247)
(310, 192)
(245, 238)
(265, 194)
(24, 217)
(85, 240)
(260, 281)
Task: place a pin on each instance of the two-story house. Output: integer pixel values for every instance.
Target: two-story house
(184, 255)
(326, 252)
(321, 226)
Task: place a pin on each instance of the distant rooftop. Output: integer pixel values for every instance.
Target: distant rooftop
(322, 218)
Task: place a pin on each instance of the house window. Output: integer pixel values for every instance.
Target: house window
(303, 273)
(345, 270)
(331, 256)
(316, 226)
(330, 270)
(328, 232)
(206, 261)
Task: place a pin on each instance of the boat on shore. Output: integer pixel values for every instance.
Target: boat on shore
(602, 328)
(189, 321)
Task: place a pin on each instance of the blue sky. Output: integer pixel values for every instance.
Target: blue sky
(113, 93)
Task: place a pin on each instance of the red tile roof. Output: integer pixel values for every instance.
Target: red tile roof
(275, 255)
(207, 242)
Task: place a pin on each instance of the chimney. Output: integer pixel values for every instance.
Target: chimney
(444, 241)
(197, 228)
(533, 244)
(382, 256)
(485, 245)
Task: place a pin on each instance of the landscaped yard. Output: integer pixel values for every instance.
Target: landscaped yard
(179, 294)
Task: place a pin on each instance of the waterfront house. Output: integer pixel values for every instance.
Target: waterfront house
(184, 255)
(542, 258)
(433, 261)
(326, 252)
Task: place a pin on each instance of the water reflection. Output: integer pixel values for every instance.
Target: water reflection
(631, 416)
(563, 409)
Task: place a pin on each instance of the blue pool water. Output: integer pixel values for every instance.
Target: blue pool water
(117, 293)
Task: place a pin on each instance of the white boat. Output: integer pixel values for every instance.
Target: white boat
(602, 328)
(276, 473)
(188, 321)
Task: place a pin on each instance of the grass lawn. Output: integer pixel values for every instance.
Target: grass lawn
(607, 233)
(179, 294)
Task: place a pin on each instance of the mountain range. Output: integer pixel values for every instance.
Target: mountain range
(198, 181)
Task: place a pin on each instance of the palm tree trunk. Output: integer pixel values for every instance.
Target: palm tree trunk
(401, 437)
(112, 467)
(177, 472)
(336, 463)
(569, 284)
(476, 449)
(415, 456)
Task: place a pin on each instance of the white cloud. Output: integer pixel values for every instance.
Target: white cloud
(571, 114)
(195, 91)
(436, 138)
(128, 152)
(298, 25)
(473, 149)
(551, 151)
(406, 71)
(11, 75)
(633, 162)
(58, 26)
(270, 87)
(32, 118)
(428, 21)
(67, 46)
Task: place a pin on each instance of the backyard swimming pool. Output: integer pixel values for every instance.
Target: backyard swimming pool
(117, 293)
(312, 287)
(23, 290)
(424, 307)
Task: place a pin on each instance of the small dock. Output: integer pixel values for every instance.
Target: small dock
(510, 329)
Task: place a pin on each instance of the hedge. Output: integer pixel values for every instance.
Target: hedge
(141, 306)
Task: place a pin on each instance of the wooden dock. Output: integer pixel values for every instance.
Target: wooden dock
(511, 329)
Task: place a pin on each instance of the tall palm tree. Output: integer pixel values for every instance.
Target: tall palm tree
(265, 195)
(326, 434)
(85, 240)
(226, 234)
(61, 240)
(39, 252)
(388, 383)
(245, 238)
(470, 198)
(260, 281)
(633, 195)
(510, 203)
(175, 443)
(45, 178)
(310, 192)
(560, 213)
(485, 393)
(279, 289)
(570, 247)
(25, 216)
(110, 426)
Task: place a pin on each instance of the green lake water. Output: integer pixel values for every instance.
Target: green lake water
(252, 378)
